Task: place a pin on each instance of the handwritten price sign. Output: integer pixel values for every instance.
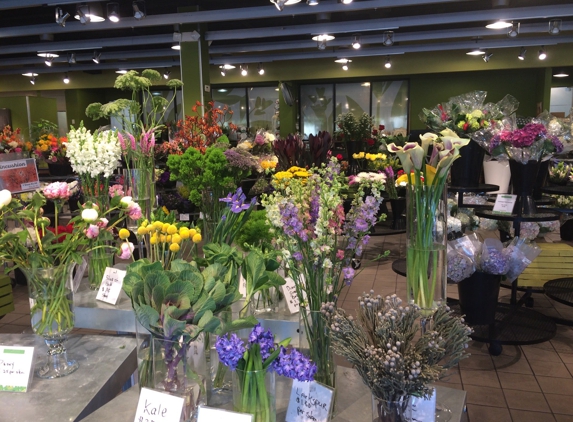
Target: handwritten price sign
(309, 401)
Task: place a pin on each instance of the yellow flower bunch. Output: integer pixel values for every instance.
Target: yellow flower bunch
(268, 164)
(359, 155)
(374, 157)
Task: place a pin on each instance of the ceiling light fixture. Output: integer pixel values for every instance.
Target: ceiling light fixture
(279, 4)
(522, 52)
(61, 17)
(96, 57)
(49, 61)
(228, 66)
(513, 30)
(72, 58)
(356, 42)
(261, 69)
(33, 80)
(499, 25)
(138, 9)
(487, 56)
(113, 12)
(66, 79)
(289, 2)
(560, 74)
(345, 67)
(343, 60)
(313, 2)
(91, 13)
(244, 70)
(223, 71)
(554, 26)
(346, 1)
(166, 74)
(176, 46)
(388, 63)
(45, 55)
(542, 53)
(475, 52)
(121, 71)
(388, 38)
(83, 14)
(29, 74)
(322, 39)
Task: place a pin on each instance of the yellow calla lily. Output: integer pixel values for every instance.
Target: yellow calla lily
(430, 174)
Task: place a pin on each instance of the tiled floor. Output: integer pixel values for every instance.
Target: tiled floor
(526, 383)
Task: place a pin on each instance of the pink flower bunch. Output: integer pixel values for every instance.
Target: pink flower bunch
(126, 250)
(116, 190)
(524, 137)
(57, 190)
(146, 143)
(92, 231)
(131, 207)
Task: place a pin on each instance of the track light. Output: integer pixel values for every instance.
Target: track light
(244, 70)
(346, 1)
(388, 38)
(322, 45)
(49, 61)
(223, 71)
(513, 30)
(66, 79)
(261, 69)
(33, 80)
(61, 17)
(138, 9)
(344, 67)
(475, 52)
(542, 54)
(91, 13)
(176, 46)
(279, 4)
(487, 56)
(499, 25)
(96, 57)
(113, 12)
(166, 74)
(522, 53)
(356, 42)
(388, 63)
(29, 74)
(312, 2)
(554, 26)
(83, 14)
(72, 58)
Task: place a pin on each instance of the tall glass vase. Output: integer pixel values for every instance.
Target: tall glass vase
(314, 340)
(98, 260)
(426, 236)
(139, 184)
(52, 316)
(391, 411)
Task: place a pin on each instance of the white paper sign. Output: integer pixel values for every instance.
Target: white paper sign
(111, 285)
(423, 410)
(242, 285)
(15, 368)
(289, 290)
(309, 401)
(154, 406)
(183, 217)
(504, 204)
(209, 414)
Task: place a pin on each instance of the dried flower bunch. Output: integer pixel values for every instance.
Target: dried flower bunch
(383, 344)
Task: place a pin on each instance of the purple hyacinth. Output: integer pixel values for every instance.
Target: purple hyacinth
(264, 339)
(294, 365)
(230, 349)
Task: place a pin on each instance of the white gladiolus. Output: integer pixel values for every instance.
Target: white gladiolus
(5, 198)
(89, 215)
(93, 155)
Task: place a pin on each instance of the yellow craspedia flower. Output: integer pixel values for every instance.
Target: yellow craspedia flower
(168, 238)
(184, 233)
(192, 232)
(153, 240)
(165, 227)
(197, 238)
(162, 238)
(172, 229)
(144, 223)
(165, 210)
(142, 231)
(176, 238)
(174, 247)
(157, 225)
(124, 234)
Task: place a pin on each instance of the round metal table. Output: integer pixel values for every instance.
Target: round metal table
(560, 289)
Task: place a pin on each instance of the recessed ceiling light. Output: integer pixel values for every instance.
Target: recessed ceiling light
(561, 75)
(365, 84)
(475, 52)
(121, 71)
(323, 37)
(29, 74)
(499, 25)
(46, 55)
(221, 90)
(176, 46)
(342, 60)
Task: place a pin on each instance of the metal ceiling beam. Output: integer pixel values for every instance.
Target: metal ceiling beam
(20, 4)
(377, 39)
(147, 64)
(516, 14)
(206, 16)
(87, 44)
(400, 49)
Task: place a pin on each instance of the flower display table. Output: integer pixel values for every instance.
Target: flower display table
(481, 188)
(105, 365)
(354, 405)
(561, 290)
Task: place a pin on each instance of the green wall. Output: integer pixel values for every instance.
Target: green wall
(19, 111)
(78, 99)
(39, 107)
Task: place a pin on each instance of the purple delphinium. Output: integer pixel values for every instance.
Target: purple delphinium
(264, 339)
(294, 365)
(297, 256)
(230, 349)
(359, 220)
(556, 144)
(348, 274)
(292, 225)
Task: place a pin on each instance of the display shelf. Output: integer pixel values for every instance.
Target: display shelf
(482, 188)
(355, 404)
(106, 364)
(538, 217)
(558, 190)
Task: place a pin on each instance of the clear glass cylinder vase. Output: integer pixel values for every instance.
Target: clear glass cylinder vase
(426, 237)
(265, 301)
(139, 184)
(315, 341)
(98, 260)
(254, 392)
(391, 411)
(52, 316)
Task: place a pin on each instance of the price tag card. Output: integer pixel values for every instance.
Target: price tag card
(154, 406)
(504, 204)
(309, 401)
(289, 290)
(111, 285)
(16, 368)
(19, 176)
(184, 217)
(209, 414)
(423, 410)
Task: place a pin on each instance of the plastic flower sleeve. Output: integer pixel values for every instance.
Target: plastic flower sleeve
(460, 266)
(521, 255)
(494, 259)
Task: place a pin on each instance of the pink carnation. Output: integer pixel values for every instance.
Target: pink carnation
(57, 190)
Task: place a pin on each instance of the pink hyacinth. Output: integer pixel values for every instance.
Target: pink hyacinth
(134, 211)
(57, 190)
(126, 250)
(92, 231)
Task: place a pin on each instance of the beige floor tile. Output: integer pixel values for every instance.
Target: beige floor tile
(527, 416)
(566, 357)
(481, 378)
(520, 382)
(485, 396)
(24, 320)
(533, 354)
(477, 362)
(563, 418)
(487, 414)
(512, 364)
(550, 369)
(560, 404)
(525, 400)
(556, 385)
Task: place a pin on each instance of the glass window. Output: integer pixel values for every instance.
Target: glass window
(263, 105)
(236, 100)
(353, 98)
(390, 104)
(316, 108)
